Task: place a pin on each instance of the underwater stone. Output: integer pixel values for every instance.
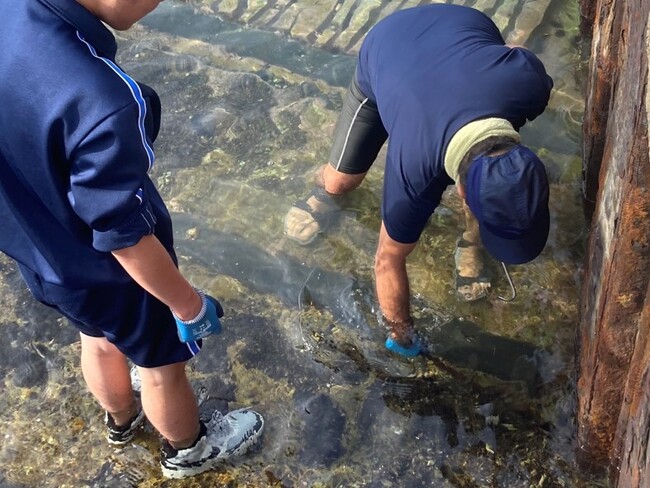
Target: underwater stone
(324, 427)
(527, 20)
(342, 25)
(30, 370)
(212, 123)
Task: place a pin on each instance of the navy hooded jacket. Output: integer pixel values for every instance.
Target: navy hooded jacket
(76, 136)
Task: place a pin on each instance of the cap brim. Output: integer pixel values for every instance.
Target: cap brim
(517, 251)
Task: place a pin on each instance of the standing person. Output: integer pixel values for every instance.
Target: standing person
(439, 82)
(89, 231)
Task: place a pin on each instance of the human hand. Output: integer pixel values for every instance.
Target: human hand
(402, 339)
(205, 323)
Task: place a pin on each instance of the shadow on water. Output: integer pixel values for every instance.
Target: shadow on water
(475, 378)
(459, 342)
(184, 21)
(470, 379)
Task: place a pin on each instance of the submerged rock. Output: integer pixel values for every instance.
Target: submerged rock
(341, 25)
(30, 370)
(324, 426)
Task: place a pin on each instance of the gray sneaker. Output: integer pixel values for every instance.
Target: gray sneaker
(223, 437)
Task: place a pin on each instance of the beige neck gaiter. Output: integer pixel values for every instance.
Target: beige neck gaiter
(471, 134)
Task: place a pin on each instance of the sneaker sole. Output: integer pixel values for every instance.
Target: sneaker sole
(212, 463)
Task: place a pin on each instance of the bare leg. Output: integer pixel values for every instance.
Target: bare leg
(470, 282)
(170, 404)
(308, 218)
(106, 372)
(167, 397)
(471, 234)
(337, 183)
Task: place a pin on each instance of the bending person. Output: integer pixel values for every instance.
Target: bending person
(438, 82)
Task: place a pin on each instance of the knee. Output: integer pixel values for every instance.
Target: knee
(340, 187)
(163, 376)
(337, 183)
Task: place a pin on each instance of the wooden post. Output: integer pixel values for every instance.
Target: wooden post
(614, 355)
(605, 33)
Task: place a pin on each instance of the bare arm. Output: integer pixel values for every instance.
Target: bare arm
(151, 266)
(392, 283)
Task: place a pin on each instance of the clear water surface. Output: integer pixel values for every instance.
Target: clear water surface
(250, 93)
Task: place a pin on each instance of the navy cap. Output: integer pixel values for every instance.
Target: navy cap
(508, 195)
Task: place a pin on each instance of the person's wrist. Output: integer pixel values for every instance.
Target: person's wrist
(190, 307)
(397, 323)
(400, 329)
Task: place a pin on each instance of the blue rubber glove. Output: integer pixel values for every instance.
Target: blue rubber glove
(205, 323)
(392, 345)
(409, 352)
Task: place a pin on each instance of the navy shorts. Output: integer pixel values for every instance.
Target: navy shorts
(359, 133)
(138, 324)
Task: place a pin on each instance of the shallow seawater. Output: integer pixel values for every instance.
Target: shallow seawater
(250, 93)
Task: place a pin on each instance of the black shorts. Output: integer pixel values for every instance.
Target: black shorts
(138, 324)
(359, 133)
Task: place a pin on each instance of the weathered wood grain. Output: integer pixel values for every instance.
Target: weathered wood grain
(613, 384)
